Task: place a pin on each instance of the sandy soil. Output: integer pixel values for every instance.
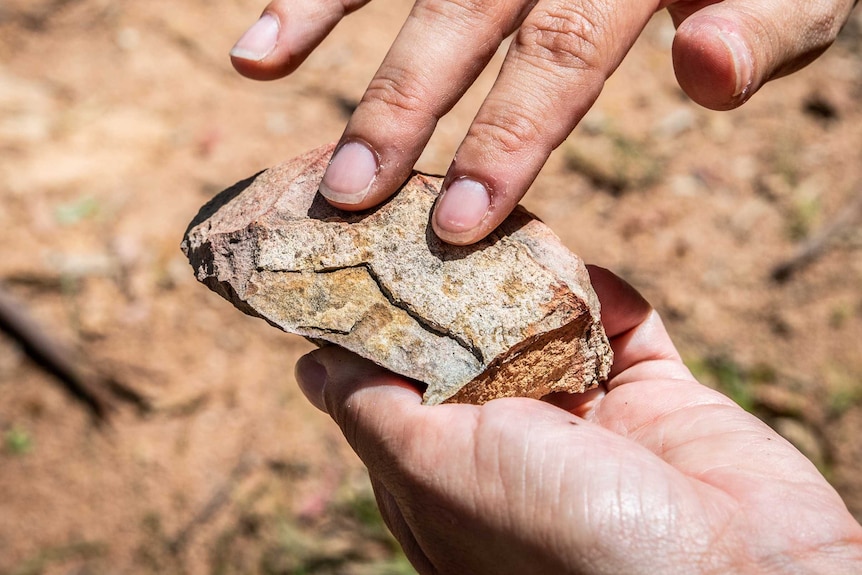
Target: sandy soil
(119, 119)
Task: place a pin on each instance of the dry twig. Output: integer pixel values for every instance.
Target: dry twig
(821, 243)
(221, 497)
(98, 392)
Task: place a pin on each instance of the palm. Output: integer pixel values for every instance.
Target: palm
(655, 474)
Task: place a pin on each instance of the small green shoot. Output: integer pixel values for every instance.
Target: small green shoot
(844, 391)
(840, 315)
(18, 441)
(802, 216)
(723, 373)
(614, 161)
(50, 557)
(77, 211)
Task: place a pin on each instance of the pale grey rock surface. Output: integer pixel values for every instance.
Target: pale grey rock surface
(512, 315)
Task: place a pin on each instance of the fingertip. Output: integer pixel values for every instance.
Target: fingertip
(713, 63)
(373, 406)
(350, 175)
(461, 215)
(457, 239)
(259, 53)
(256, 71)
(311, 377)
(259, 41)
(283, 37)
(623, 307)
(343, 376)
(466, 238)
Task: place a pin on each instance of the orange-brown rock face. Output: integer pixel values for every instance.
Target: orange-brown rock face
(512, 315)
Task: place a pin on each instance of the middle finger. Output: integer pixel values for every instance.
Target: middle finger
(556, 67)
(439, 52)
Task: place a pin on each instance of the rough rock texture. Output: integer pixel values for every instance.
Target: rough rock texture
(514, 315)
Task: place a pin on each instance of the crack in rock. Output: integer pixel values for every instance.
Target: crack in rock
(424, 321)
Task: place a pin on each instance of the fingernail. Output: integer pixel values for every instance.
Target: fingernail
(350, 173)
(462, 206)
(258, 41)
(311, 377)
(742, 63)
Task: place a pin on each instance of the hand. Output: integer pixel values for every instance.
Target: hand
(653, 473)
(562, 52)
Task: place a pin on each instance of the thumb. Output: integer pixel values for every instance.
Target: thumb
(365, 400)
(724, 52)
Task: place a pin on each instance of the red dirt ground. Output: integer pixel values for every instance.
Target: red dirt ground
(118, 120)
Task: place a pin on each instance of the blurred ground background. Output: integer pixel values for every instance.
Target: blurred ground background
(118, 120)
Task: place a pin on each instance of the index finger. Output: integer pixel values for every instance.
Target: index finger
(439, 52)
(285, 34)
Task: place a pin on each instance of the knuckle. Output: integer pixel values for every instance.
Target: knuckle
(461, 16)
(448, 9)
(398, 90)
(823, 25)
(785, 53)
(565, 36)
(509, 133)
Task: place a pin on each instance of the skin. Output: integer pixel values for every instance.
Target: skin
(561, 53)
(652, 473)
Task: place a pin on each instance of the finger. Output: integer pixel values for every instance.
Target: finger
(439, 52)
(285, 34)
(311, 377)
(580, 404)
(394, 519)
(370, 404)
(344, 373)
(642, 347)
(380, 414)
(553, 73)
(623, 307)
(644, 353)
(725, 51)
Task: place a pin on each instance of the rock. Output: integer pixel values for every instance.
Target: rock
(514, 315)
(675, 123)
